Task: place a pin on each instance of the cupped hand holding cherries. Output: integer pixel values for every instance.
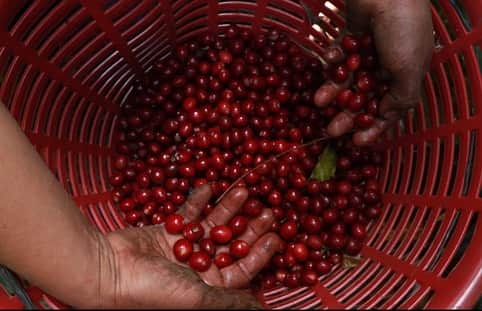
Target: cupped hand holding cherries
(225, 249)
(232, 119)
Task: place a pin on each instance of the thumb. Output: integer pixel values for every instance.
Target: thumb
(404, 93)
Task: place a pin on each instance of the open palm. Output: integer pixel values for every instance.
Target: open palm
(141, 270)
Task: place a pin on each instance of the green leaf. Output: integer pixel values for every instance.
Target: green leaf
(326, 166)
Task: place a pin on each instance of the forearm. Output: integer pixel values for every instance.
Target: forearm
(43, 235)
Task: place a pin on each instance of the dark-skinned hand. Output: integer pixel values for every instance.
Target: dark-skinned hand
(139, 269)
(403, 35)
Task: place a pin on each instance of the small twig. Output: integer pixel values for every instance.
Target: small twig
(312, 142)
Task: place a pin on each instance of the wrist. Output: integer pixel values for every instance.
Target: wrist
(96, 284)
(86, 284)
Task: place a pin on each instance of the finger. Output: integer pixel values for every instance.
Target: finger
(227, 208)
(257, 227)
(195, 203)
(341, 124)
(240, 273)
(398, 99)
(369, 136)
(327, 93)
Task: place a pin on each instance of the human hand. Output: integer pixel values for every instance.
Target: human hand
(138, 267)
(404, 42)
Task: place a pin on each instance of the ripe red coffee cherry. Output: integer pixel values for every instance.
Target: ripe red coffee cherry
(313, 187)
(292, 195)
(338, 228)
(280, 275)
(132, 217)
(353, 62)
(343, 98)
(358, 231)
(120, 162)
(289, 259)
(157, 176)
(336, 241)
(330, 215)
(279, 261)
(174, 224)
(238, 225)
(221, 234)
(275, 198)
(339, 202)
(298, 181)
(117, 195)
(309, 277)
(350, 44)
(251, 146)
(350, 215)
(314, 242)
(189, 104)
(208, 246)
(200, 261)
(303, 204)
(117, 179)
(143, 196)
(371, 197)
(292, 215)
(182, 250)
(335, 257)
(340, 73)
(357, 102)
(365, 83)
(150, 208)
(293, 279)
(225, 57)
(353, 175)
(252, 207)
(187, 170)
(288, 230)
(239, 249)
(222, 260)
(372, 184)
(312, 224)
(193, 231)
(323, 266)
(157, 219)
(300, 251)
(364, 120)
(143, 180)
(327, 187)
(268, 281)
(343, 163)
(127, 205)
(343, 187)
(353, 247)
(168, 208)
(369, 171)
(372, 107)
(159, 194)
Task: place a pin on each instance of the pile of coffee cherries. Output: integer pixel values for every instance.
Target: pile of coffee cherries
(238, 109)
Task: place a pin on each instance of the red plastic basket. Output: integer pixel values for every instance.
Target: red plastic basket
(67, 65)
